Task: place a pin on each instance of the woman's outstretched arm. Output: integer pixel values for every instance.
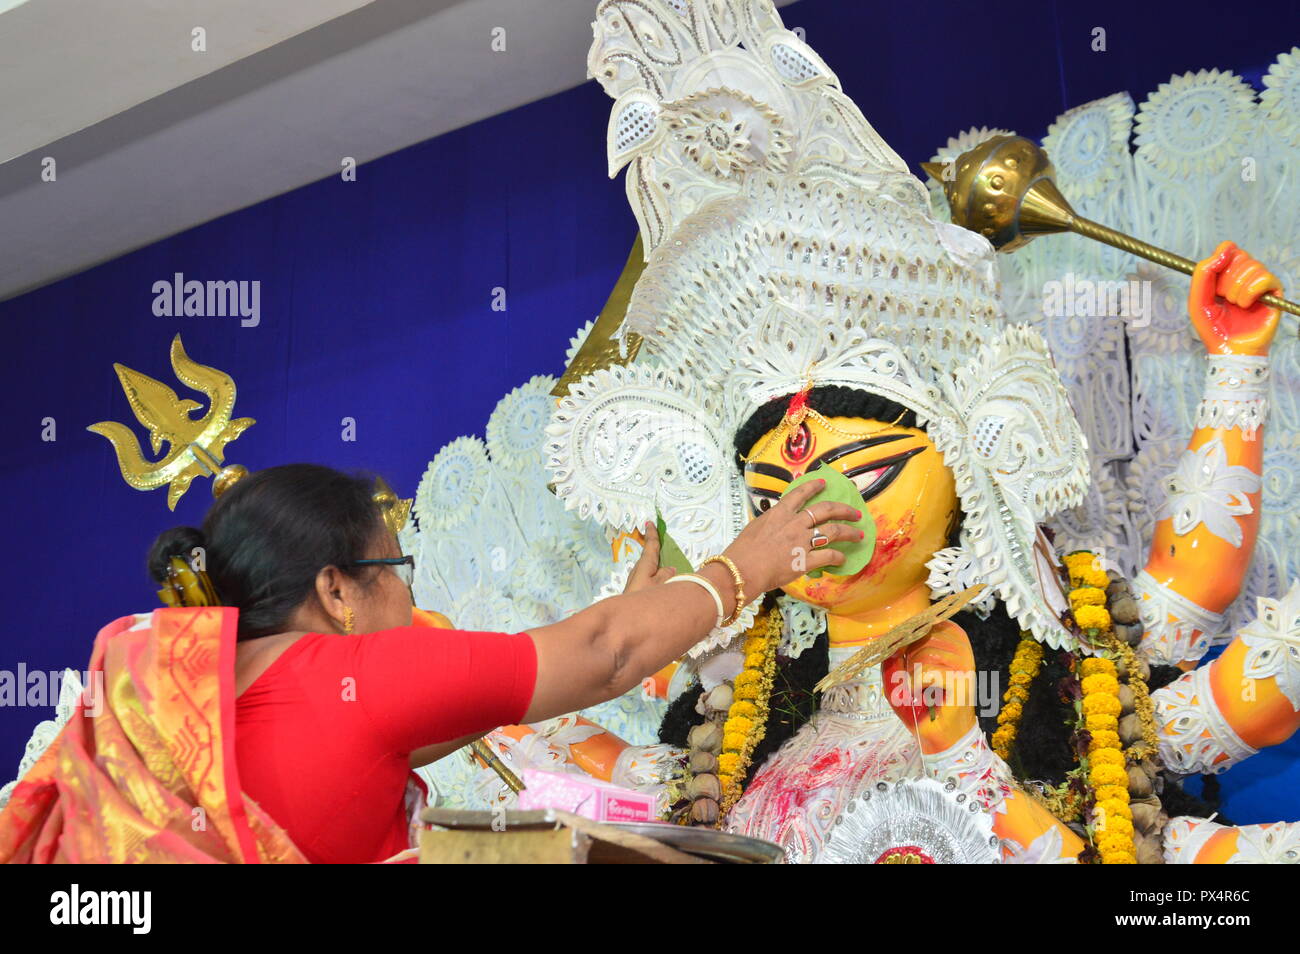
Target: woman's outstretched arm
(605, 650)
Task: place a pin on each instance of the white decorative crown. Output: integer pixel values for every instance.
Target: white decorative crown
(789, 246)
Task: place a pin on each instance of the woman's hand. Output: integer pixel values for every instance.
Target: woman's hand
(786, 541)
(931, 686)
(1224, 303)
(647, 571)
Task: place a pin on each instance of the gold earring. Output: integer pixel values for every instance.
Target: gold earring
(348, 620)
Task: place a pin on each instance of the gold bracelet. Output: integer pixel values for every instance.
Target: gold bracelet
(735, 578)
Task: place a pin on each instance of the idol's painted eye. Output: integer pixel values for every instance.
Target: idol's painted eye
(872, 479)
(761, 501)
(868, 479)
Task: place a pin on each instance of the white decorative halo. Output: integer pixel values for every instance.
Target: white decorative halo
(1084, 142)
(576, 342)
(453, 485)
(1196, 123)
(483, 609)
(1280, 101)
(726, 132)
(516, 431)
(629, 440)
(915, 820)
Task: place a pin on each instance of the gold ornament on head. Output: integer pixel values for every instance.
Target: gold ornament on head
(1003, 189)
(799, 411)
(196, 448)
(395, 510)
(186, 586)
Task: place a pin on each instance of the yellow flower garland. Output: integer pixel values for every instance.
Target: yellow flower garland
(1024, 668)
(746, 721)
(1112, 819)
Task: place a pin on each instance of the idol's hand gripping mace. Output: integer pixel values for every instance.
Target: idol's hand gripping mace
(1003, 189)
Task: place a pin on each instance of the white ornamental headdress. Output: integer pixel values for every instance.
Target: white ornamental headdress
(788, 246)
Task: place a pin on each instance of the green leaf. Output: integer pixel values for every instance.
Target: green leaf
(840, 489)
(670, 554)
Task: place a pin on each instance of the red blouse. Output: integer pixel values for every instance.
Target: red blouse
(323, 736)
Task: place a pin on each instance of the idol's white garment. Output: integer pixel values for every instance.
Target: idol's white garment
(853, 741)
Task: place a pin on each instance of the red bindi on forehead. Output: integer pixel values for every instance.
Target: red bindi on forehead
(798, 448)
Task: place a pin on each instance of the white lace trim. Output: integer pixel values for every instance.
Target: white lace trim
(864, 698)
(1272, 844)
(1047, 849)
(1236, 388)
(801, 624)
(1185, 836)
(1174, 628)
(1194, 735)
(973, 767)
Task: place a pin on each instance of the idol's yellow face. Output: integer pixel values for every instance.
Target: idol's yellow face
(905, 486)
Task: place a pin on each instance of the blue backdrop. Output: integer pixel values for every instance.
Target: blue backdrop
(376, 294)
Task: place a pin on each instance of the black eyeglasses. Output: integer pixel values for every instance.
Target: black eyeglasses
(403, 566)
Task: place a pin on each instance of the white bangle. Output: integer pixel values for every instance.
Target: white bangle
(1236, 393)
(712, 590)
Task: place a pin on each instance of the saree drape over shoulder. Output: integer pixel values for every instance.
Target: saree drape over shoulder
(145, 769)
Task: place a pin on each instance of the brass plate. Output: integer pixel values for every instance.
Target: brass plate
(717, 846)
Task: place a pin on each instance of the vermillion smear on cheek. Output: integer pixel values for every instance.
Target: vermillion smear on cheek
(892, 539)
(890, 543)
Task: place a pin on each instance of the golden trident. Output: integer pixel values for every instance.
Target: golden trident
(1003, 190)
(196, 447)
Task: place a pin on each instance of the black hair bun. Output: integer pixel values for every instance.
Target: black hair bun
(176, 542)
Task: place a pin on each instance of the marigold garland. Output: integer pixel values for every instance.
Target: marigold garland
(746, 722)
(1110, 819)
(1025, 665)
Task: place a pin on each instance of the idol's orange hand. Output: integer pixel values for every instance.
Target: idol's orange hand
(931, 687)
(1224, 303)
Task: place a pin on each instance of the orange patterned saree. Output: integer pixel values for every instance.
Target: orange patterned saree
(145, 769)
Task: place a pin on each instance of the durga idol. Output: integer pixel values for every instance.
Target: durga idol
(802, 310)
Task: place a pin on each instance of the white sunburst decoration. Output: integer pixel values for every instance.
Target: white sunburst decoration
(912, 821)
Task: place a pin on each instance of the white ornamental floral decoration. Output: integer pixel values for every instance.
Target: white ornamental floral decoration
(725, 132)
(1272, 643)
(1205, 489)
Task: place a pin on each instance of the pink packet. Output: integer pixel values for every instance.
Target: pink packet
(587, 797)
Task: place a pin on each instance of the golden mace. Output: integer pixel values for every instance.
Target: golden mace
(1003, 190)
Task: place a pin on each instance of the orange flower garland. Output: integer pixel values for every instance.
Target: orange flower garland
(1111, 827)
(746, 721)
(1024, 669)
